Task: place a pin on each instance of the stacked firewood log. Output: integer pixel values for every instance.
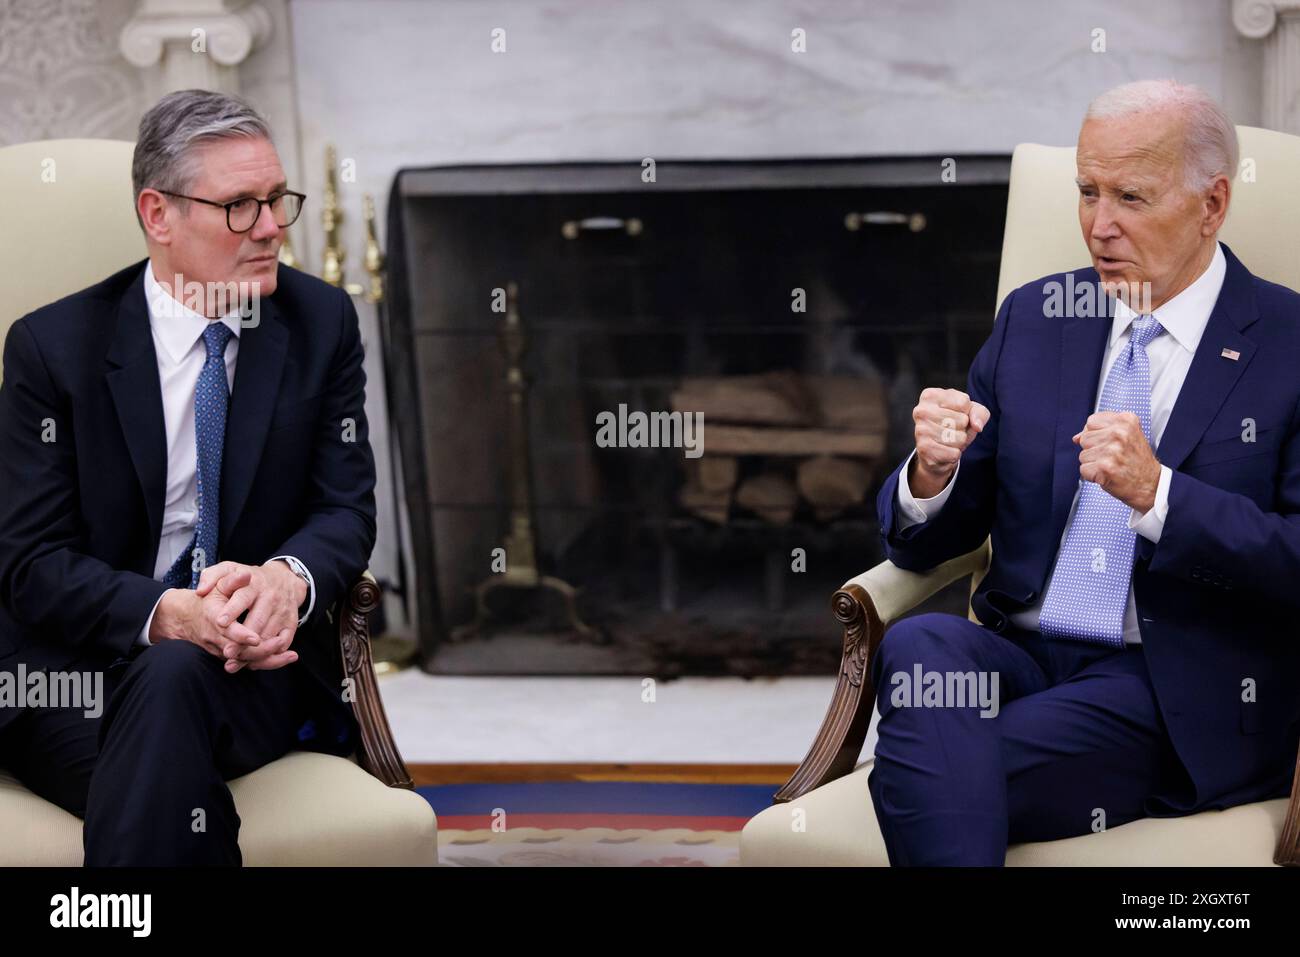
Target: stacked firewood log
(773, 440)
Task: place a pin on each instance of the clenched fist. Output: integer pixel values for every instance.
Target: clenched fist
(1115, 454)
(946, 422)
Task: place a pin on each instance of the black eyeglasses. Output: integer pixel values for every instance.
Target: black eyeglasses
(242, 214)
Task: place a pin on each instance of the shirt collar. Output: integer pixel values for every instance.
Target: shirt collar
(1185, 315)
(176, 325)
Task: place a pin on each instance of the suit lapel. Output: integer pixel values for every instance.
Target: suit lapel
(258, 370)
(137, 396)
(1211, 375)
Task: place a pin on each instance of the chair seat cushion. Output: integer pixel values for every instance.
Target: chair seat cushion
(840, 829)
(306, 809)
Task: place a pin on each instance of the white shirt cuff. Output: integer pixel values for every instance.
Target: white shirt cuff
(913, 510)
(143, 637)
(311, 586)
(1150, 525)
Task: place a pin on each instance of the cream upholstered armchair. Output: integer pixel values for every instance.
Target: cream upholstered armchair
(69, 222)
(1042, 237)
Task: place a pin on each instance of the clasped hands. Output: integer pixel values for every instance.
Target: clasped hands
(209, 615)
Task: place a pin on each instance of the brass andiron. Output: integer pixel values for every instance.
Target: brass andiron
(374, 257)
(521, 552)
(391, 652)
(331, 217)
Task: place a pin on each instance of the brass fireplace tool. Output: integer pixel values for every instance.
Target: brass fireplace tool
(390, 651)
(521, 570)
(331, 218)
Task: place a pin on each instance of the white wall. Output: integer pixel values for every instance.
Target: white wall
(403, 82)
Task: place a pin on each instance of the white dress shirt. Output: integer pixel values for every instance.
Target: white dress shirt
(1184, 318)
(180, 350)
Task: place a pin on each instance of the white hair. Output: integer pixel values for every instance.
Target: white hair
(1210, 147)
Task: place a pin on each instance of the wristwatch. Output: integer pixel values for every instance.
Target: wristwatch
(300, 570)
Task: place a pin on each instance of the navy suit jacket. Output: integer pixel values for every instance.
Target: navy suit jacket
(1218, 598)
(80, 516)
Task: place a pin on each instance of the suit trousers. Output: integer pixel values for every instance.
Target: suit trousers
(148, 774)
(1075, 744)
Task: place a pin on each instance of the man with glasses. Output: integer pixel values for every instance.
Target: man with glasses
(186, 489)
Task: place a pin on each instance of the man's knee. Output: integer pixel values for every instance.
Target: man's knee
(169, 660)
(928, 640)
(168, 674)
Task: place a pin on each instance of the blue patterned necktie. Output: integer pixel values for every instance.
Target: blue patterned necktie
(211, 397)
(1088, 595)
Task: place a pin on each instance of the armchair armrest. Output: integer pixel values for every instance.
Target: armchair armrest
(894, 591)
(378, 752)
(866, 606)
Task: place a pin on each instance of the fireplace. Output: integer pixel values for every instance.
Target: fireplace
(558, 332)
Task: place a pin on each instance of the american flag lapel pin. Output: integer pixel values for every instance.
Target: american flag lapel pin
(1232, 354)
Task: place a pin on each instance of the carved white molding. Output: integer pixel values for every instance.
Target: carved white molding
(162, 36)
(1277, 24)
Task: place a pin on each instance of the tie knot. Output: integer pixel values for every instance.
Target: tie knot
(215, 336)
(1145, 328)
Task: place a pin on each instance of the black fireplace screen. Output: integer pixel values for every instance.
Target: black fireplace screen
(644, 409)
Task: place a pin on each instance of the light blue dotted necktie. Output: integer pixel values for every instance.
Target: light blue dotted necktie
(1088, 595)
(211, 398)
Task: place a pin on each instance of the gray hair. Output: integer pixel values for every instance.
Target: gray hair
(1211, 139)
(170, 131)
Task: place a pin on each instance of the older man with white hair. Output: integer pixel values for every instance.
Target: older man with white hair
(1137, 463)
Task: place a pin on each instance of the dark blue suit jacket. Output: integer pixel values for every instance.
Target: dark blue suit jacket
(1218, 598)
(80, 516)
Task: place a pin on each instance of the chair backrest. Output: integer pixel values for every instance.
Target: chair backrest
(1263, 226)
(68, 220)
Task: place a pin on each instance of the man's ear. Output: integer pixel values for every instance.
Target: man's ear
(1215, 204)
(153, 210)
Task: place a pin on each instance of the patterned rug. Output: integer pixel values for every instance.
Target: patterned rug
(593, 824)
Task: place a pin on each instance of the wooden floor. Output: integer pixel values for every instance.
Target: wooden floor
(430, 774)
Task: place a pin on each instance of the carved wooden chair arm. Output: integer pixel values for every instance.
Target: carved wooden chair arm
(865, 606)
(377, 752)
